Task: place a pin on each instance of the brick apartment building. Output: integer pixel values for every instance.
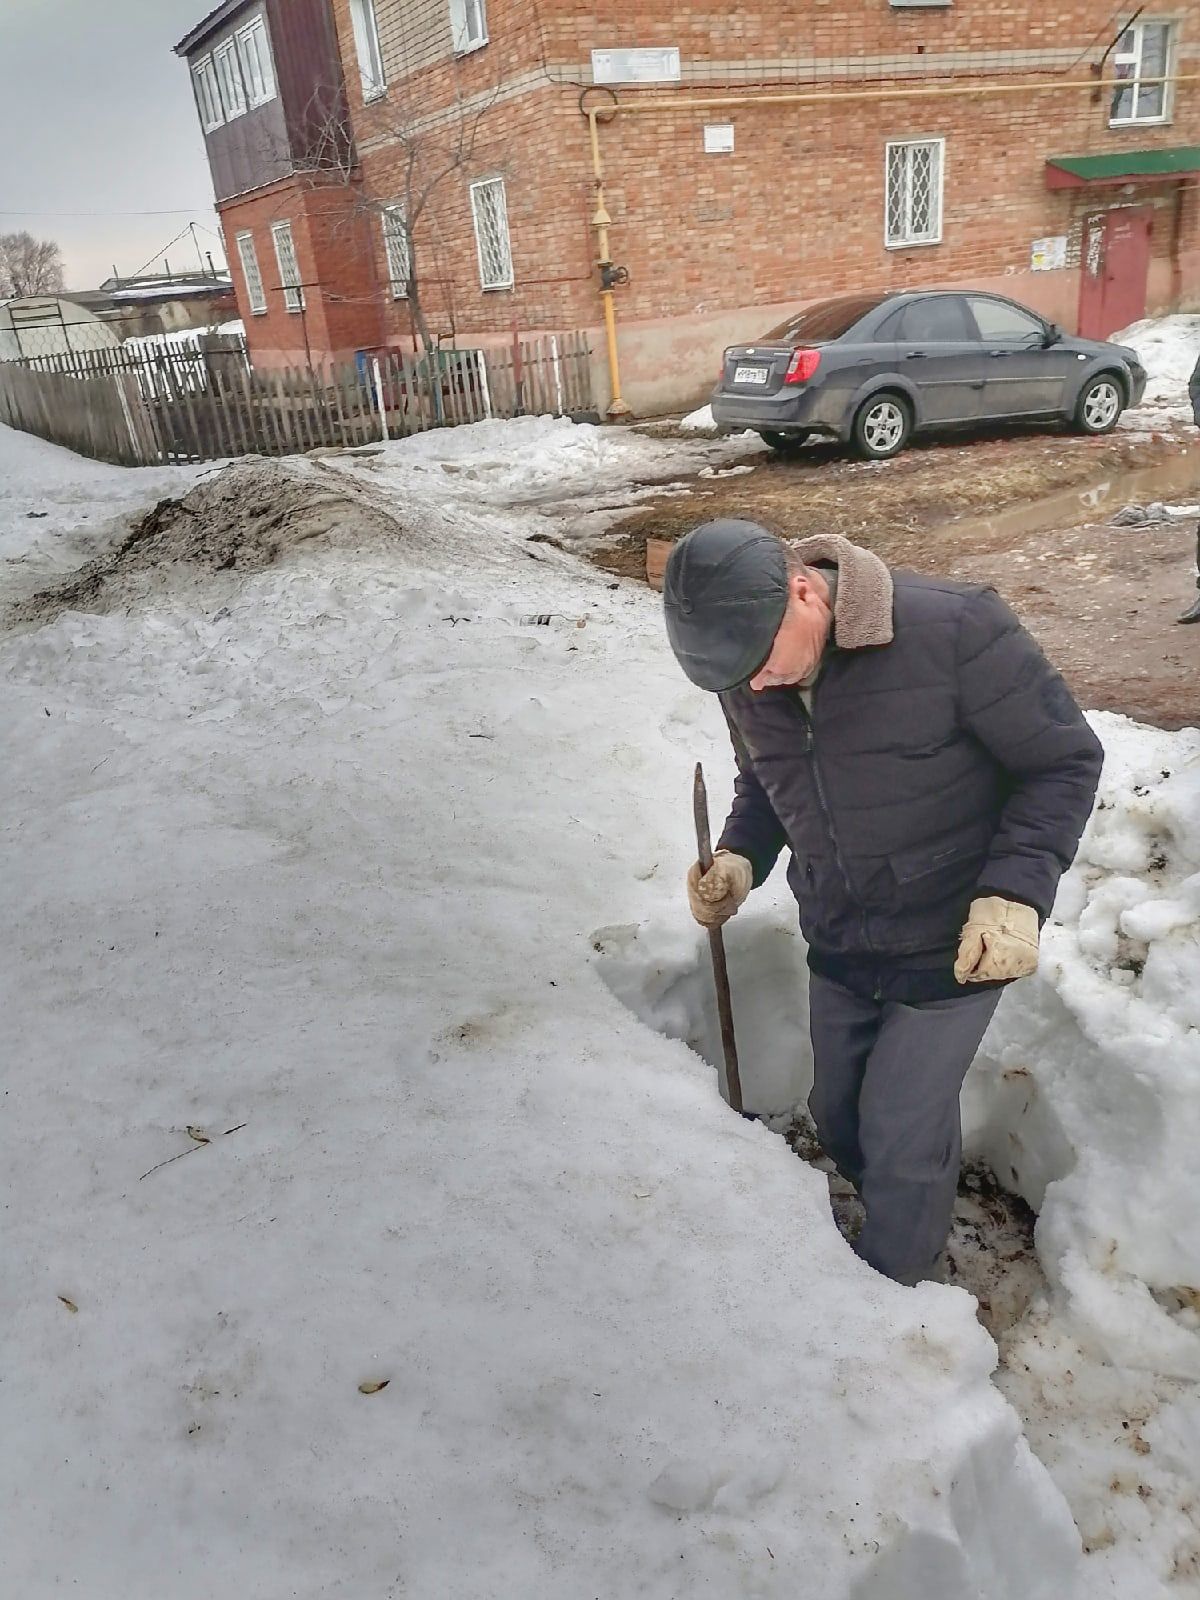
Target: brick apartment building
(751, 159)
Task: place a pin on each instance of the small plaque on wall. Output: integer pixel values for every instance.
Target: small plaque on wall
(635, 66)
(718, 138)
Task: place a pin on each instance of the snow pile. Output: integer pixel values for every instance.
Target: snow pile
(583, 478)
(1168, 348)
(1087, 1095)
(544, 459)
(245, 517)
(360, 1240)
(58, 509)
(698, 421)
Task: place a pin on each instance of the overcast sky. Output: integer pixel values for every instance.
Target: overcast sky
(97, 121)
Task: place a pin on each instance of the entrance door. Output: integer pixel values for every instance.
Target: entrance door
(1115, 267)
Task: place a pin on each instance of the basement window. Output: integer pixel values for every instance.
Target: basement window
(914, 192)
(1143, 52)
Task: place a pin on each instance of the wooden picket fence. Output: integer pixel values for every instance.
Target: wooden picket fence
(140, 408)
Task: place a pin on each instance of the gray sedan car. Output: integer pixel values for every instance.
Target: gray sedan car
(871, 370)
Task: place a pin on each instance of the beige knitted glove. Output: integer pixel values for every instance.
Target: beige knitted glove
(999, 941)
(716, 896)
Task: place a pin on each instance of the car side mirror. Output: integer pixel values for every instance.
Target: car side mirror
(1052, 335)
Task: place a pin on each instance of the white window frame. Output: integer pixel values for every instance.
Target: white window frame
(254, 50)
(476, 188)
(229, 79)
(366, 46)
(1133, 58)
(289, 273)
(911, 240)
(256, 294)
(396, 251)
(208, 94)
(468, 25)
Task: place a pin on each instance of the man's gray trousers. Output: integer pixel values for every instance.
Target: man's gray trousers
(885, 1104)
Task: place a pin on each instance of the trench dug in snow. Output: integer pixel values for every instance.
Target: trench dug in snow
(1108, 1434)
(665, 979)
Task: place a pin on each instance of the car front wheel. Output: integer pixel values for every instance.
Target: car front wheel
(882, 426)
(1099, 405)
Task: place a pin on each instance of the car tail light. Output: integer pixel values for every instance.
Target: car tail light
(802, 366)
(721, 368)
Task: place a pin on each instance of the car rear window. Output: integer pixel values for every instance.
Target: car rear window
(827, 319)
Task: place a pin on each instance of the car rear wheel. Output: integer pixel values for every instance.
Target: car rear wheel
(882, 426)
(1100, 404)
(783, 442)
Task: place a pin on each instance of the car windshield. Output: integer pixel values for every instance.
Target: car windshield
(828, 319)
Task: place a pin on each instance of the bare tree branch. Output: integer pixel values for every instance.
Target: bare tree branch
(434, 150)
(29, 266)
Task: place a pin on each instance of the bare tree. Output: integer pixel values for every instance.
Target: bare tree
(29, 265)
(431, 150)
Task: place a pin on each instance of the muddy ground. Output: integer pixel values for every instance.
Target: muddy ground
(1101, 600)
(990, 1251)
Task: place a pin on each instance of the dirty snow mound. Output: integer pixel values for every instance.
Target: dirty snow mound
(246, 518)
(1168, 348)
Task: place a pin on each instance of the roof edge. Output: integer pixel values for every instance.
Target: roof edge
(209, 24)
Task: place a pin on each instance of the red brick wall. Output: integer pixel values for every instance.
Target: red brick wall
(337, 268)
(716, 243)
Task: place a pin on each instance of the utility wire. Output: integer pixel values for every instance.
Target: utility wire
(173, 211)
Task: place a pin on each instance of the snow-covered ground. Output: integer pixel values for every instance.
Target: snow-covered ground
(354, 886)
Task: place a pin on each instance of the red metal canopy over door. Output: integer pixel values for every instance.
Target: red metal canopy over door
(1115, 269)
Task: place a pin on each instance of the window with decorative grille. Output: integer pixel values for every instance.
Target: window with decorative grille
(395, 240)
(1143, 52)
(255, 292)
(289, 267)
(914, 192)
(490, 210)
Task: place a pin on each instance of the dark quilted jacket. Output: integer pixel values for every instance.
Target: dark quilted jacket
(949, 762)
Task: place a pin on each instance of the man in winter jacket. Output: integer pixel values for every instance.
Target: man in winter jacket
(930, 775)
(1192, 614)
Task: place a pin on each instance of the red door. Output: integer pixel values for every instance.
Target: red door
(1114, 270)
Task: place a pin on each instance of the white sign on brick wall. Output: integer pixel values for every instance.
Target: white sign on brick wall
(635, 66)
(1047, 254)
(718, 138)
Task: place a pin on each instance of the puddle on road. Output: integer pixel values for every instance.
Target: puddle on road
(1178, 475)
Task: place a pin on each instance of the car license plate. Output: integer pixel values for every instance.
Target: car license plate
(750, 374)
